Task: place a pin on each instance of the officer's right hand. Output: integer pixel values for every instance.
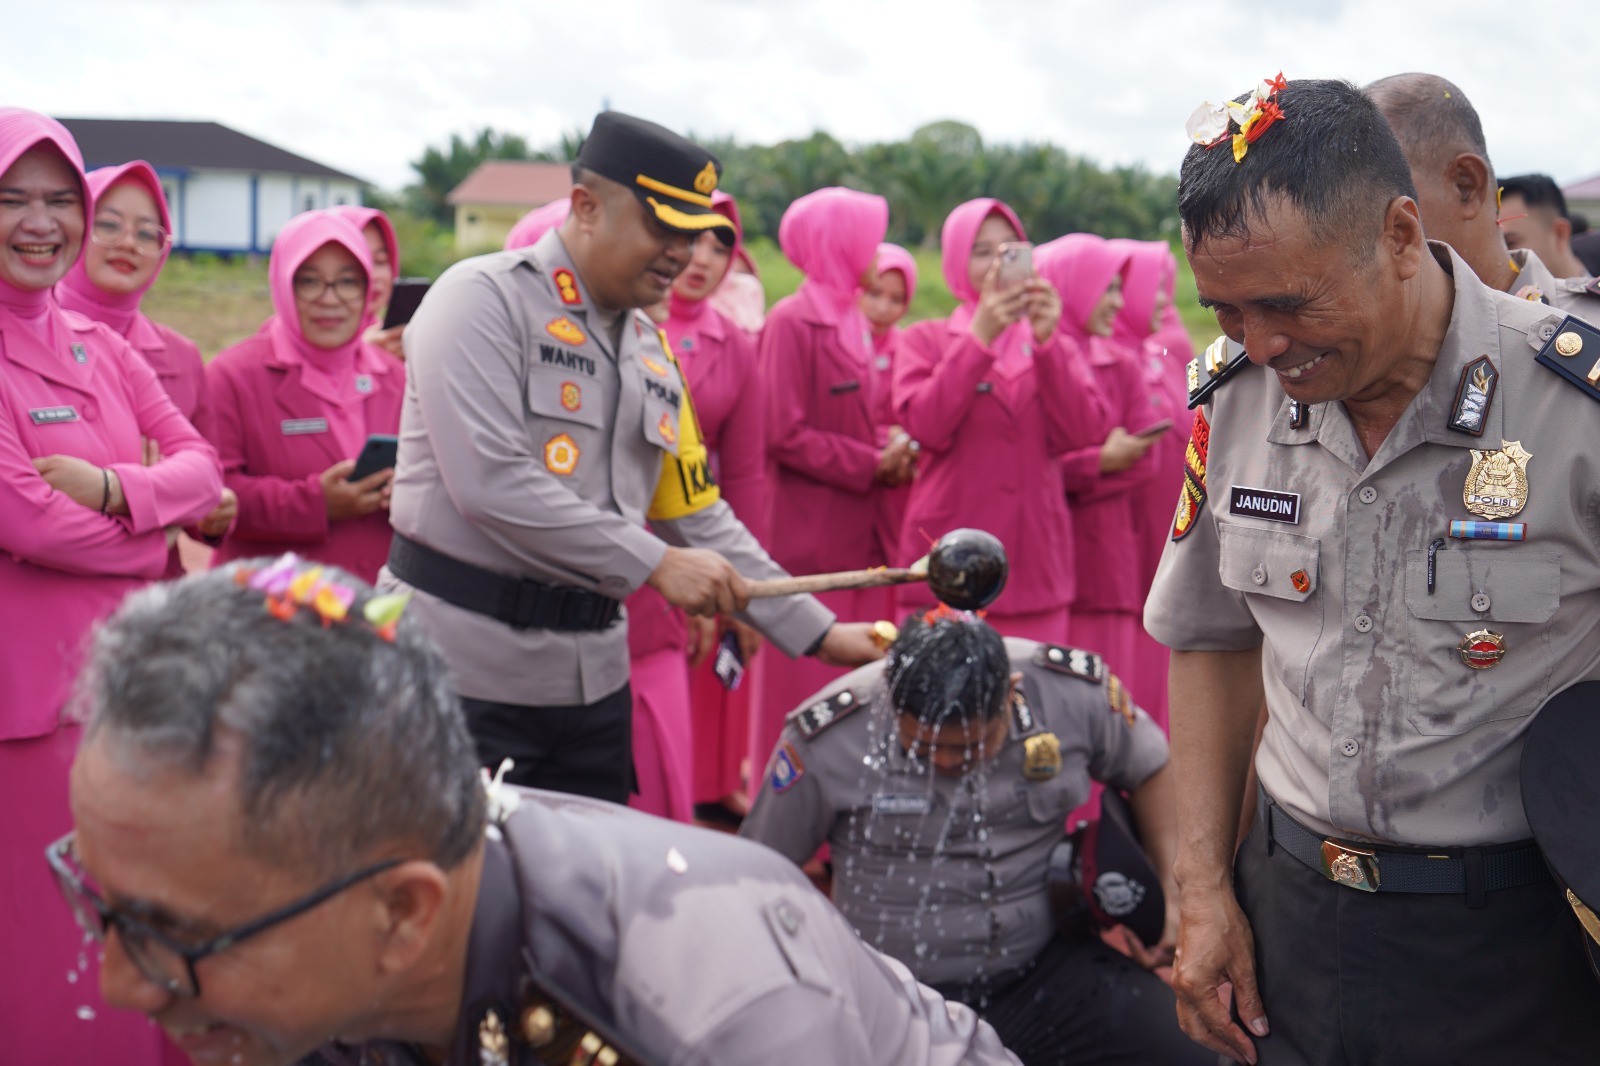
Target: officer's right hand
(699, 582)
(1216, 947)
(352, 499)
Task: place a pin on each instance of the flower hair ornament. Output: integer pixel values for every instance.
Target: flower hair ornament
(290, 585)
(1210, 124)
(944, 610)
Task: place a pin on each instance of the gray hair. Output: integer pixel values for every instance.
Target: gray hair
(1432, 119)
(351, 743)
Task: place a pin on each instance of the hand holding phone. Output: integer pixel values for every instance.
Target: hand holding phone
(404, 301)
(1155, 430)
(379, 453)
(1016, 264)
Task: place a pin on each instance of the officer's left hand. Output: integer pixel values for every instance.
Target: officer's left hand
(849, 644)
(1044, 309)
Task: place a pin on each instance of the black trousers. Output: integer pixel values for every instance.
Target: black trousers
(586, 750)
(1396, 979)
(1079, 1003)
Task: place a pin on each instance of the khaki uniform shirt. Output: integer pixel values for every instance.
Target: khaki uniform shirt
(948, 873)
(684, 947)
(1378, 729)
(530, 447)
(1579, 297)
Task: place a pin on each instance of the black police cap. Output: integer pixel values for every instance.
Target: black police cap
(1561, 796)
(671, 175)
(1100, 877)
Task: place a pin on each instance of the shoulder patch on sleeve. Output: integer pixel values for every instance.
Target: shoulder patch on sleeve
(1209, 370)
(1084, 665)
(1118, 697)
(1192, 495)
(1572, 350)
(786, 768)
(825, 713)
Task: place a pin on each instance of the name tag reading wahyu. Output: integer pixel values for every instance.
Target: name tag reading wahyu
(297, 427)
(1265, 503)
(45, 416)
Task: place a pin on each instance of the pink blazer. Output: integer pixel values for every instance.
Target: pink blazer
(725, 385)
(822, 442)
(987, 443)
(64, 566)
(176, 361)
(275, 439)
(1108, 561)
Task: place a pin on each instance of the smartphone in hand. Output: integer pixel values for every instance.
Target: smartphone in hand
(379, 453)
(1016, 264)
(1155, 430)
(404, 301)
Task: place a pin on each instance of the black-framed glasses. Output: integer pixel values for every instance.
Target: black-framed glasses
(309, 288)
(163, 960)
(149, 240)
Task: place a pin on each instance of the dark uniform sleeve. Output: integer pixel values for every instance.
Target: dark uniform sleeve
(791, 813)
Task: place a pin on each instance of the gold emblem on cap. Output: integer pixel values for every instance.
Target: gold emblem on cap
(1041, 757)
(1482, 648)
(1569, 344)
(705, 182)
(1497, 484)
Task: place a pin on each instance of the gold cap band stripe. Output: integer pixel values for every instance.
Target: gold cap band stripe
(672, 190)
(673, 217)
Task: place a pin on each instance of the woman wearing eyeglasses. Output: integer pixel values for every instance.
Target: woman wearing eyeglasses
(128, 244)
(83, 521)
(291, 407)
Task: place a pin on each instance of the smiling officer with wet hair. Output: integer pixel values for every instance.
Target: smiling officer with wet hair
(942, 779)
(1426, 575)
(545, 421)
(278, 811)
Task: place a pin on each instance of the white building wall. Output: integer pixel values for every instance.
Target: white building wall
(216, 210)
(274, 206)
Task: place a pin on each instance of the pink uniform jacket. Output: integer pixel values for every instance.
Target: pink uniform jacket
(64, 566)
(275, 438)
(987, 442)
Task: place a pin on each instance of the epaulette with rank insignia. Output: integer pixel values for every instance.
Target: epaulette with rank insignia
(1207, 371)
(1120, 699)
(1573, 351)
(824, 713)
(1084, 665)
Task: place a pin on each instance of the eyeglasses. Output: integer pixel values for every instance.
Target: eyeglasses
(308, 288)
(108, 232)
(158, 957)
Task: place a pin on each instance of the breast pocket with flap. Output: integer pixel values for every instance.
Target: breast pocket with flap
(1279, 572)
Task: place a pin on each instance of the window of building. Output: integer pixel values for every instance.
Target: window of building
(311, 202)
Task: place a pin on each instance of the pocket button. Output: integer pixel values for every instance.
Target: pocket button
(1259, 576)
(1480, 603)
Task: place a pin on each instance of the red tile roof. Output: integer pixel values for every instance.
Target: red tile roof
(1587, 189)
(504, 181)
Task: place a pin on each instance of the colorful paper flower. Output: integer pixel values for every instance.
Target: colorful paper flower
(1209, 124)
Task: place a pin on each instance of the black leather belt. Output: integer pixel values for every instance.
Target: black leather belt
(1374, 868)
(521, 603)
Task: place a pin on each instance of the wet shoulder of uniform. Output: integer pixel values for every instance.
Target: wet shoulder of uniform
(819, 719)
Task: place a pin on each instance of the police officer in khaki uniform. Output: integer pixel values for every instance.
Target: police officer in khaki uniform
(278, 808)
(942, 779)
(544, 422)
(1439, 131)
(1388, 532)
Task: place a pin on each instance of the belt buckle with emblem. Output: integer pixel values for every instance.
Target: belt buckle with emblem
(1041, 757)
(1351, 867)
(1497, 484)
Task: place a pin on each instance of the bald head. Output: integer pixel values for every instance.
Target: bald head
(1431, 117)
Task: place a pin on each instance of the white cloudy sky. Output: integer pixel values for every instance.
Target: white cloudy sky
(364, 85)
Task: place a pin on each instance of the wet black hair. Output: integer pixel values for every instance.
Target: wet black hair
(1537, 190)
(1332, 156)
(949, 671)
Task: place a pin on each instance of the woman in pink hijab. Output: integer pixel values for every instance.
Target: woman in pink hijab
(385, 250)
(1151, 269)
(1090, 272)
(992, 394)
(885, 302)
(741, 297)
(683, 757)
(292, 406)
(84, 520)
(129, 241)
(830, 455)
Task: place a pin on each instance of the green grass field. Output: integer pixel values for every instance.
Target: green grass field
(220, 303)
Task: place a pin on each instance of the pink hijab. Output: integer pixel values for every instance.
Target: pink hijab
(77, 293)
(1014, 347)
(1080, 266)
(328, 373)
(892, 257)
(832, 235)
(687, 316)
(1148, 265)
(29, 317)
(362, 217)
(536, 223)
